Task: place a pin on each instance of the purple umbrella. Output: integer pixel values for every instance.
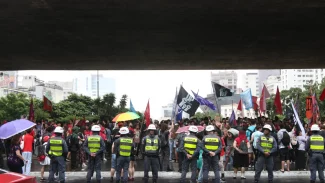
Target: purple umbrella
(14, 127)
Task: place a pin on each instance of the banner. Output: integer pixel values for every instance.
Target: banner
(309, 107)
(221, 91)
(246, 98)
(297, 120)
(186, 102)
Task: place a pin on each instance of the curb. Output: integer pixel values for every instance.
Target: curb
(173, 175)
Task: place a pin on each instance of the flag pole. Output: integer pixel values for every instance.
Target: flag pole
(232, 104)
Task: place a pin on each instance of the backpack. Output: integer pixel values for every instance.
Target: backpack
(294, 142)
(163, 140)
(243, 146)
(286, 139)
(250, 132)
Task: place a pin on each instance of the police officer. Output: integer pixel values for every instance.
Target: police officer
(211, 145)
(315, 149)
(189, 145)
(125, 148)
(94, 146)
(266, 145)
(57, 149)
(150, 149)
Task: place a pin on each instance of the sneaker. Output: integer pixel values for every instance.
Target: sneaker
(223, 179)
(67, 160)
(234, 177)
(105, 159)
(243, 177)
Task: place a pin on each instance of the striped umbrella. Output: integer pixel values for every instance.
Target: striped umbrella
(127, 116)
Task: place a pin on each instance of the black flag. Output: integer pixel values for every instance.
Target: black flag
(186, 102)
(221, 91)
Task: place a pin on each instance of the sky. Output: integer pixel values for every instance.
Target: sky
(159, 87)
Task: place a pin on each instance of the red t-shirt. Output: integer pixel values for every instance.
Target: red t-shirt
(238, 141)
(223, 145)
(28, 143)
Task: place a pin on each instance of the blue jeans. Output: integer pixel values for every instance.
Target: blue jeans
(171, 148)
(26, 168)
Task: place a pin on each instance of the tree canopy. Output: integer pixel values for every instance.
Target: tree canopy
(75, 106)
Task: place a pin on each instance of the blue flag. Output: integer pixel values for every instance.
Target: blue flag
(246, 97)
(204, 101)
(232, 119)
(131, 107)
(179, 114)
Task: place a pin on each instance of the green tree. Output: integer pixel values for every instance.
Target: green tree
(40, 114)
(13, 106)
(123, 102)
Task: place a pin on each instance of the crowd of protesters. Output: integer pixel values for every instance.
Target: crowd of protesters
(291, 143)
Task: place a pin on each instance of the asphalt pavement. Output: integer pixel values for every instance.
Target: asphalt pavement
(228, 180)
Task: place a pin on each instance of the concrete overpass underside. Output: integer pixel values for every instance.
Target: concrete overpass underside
(162, 34)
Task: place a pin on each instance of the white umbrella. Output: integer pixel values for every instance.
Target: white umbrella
(234, 131)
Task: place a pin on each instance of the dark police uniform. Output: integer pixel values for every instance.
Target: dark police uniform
(57, 149)
(211, 143)
(125, 148)
(94, 144)
(315, 145)
(151, 148)
(190, 145)
(265, 144)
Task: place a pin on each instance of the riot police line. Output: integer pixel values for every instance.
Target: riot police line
(189, 145)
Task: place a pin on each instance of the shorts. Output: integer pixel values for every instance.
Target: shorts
(250, 149)
(113, 161)
(132, 158)
(284, 154)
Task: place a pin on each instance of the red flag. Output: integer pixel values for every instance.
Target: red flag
(255, 102)
(322, 96)
(277, 102)
(47, 106)
(265, 94)
(31, 111)
(239, 108)
(147, 115)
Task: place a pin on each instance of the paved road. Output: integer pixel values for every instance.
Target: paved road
(106, 165)
(228, 180)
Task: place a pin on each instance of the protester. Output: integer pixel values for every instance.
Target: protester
(15, 160)
(28, 140)
(43, 157)
(241, 145)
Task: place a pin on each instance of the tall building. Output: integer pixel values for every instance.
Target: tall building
(226, 79)
(87, 85)
(38, 88)
(298, 78)
(264, 74)
(252, 81)
(271, 83)
(67, 87)
(8, 79)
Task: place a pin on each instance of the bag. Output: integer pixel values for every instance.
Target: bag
(286, 139)
(41, 158)
(243, 147)
(163, 140)
(294, 142)
(250, 132)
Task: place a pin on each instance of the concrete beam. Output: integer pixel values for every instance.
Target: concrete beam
(166, 34)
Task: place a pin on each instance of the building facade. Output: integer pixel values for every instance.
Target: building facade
(226, 79)
(298, 78)
(251, 81)
(66, 86)
(271, 83)
(87, 85)
(264, 74)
